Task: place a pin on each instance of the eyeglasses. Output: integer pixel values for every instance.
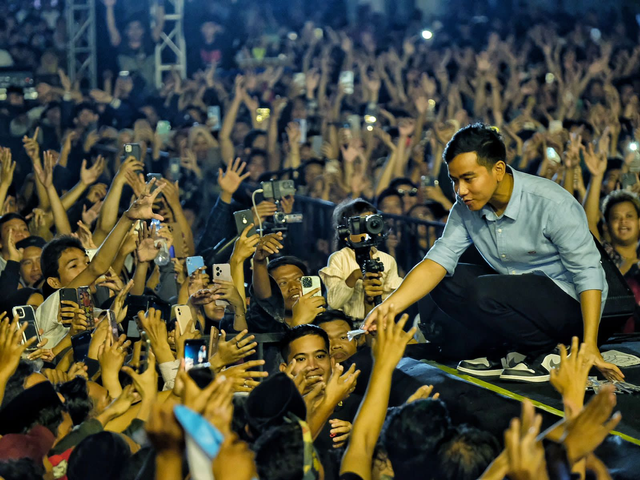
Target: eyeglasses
(412, 193)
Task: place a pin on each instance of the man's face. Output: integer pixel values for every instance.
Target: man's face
(623, 224)
(473, 183)
(391, 204)
(86, 118)
(19, 229)
(15, 99)
(309, 351)
(30, 265)
(341, 347)
(257, 167)
(311, 172)
(72, 263)
(135, 31)
(409, 196)
(288, 279)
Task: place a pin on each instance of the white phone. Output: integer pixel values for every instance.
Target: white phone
(346, 80)
(222, 271)
(183, 315)
(311, 283)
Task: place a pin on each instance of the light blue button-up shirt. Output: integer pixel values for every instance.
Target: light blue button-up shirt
(543, 231)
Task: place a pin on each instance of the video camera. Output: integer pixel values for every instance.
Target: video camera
(373, 227)
(277, 189)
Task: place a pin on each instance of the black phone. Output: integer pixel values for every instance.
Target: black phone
(68, 295)
(165, 309)
(195, 354)
(80, 344)
(132, 150)
(243, 219)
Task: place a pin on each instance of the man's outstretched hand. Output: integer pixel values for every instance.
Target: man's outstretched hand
(610, 371)
(142, 207)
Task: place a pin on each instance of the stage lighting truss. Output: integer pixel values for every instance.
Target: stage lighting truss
(81, 47)
(171, 50)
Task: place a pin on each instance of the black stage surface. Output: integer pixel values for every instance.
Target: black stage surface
(490, 404)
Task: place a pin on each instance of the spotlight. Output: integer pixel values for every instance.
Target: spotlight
(427, 34)
(633, 146)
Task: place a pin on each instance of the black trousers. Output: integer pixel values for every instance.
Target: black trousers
(492, 314)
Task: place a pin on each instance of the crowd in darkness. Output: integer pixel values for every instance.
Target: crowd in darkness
(109, 198)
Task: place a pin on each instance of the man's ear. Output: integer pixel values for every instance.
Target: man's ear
(54, 282)
(282, 367)
(499, 170)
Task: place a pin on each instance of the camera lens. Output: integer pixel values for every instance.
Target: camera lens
(375, 224)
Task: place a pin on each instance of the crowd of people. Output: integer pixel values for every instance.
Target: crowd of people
(149, 237)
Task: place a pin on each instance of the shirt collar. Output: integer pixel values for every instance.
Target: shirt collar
(513, 207)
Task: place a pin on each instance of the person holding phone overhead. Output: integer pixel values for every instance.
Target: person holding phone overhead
(544, 281)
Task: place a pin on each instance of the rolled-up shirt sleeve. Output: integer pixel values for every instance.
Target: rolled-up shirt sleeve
(568, 230)
(455, 239)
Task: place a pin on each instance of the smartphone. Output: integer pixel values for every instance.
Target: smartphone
(628, 181)
(552, 155)
(195, 354)
(182, 315)
(158, 177)
(163, 307)
(80, 344)
(263, 114)
(243, 219)
(428, 181)
(346, 80)
(133, 150)
(316, 145)
(213, 118)
(113, 325)
(135, 304)
(194, 264)
(144, 354)
(174, 168)
(303, 129)
(354, 124)
(299, 80)
(163, 127)
(85, 302)
(68, 294)
(310, 283)
(133, 332)
(26, 313)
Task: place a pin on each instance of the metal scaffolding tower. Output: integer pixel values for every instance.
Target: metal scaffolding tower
(171, 51)
(81, 49)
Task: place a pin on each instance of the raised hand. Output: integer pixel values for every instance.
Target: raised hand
(231, 179)
(264, 210)
(129, 165)
(293, 133)
(268, 245)
(570, 378)
(97, 192)
(146, 250)
(45, 173)
(190, 162)
(89, 176)
(235, 349)
(84, 233)
(341, 385)
(10, 345)
(524, 452)
(422, 393)
(8, 167)
(308, 307)
(142, 207)
(32, 146)
(163, 430)
(595, 162)
(391, 340)
(245, 246)
(243, 378)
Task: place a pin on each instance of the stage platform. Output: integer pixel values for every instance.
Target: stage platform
(491, 404)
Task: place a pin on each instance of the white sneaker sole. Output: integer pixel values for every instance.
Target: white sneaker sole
(514, 377)
(481, 373)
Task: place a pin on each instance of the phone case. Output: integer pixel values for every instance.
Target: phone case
(69, 295)
(85, 301)
(311, 283)
(222, 271)
(26, 313)
(244, 218)
(182, 314)
(132, 149)
(193, 264)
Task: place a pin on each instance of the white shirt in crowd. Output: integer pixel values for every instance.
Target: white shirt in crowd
(351, 300)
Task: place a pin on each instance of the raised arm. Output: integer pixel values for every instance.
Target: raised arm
(268, 245)
(45, 177)
(387, 352)
(109, 212)
(226, 145)
(172, 195)
(7, 168)
(88, 176)
(597, 165)
(114, 33)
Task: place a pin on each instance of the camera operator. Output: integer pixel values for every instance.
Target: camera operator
(348, 288)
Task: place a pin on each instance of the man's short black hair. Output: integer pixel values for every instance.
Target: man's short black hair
(256, 152)
(252, 136)
(50, 258)
(299, 332)
(616, 197)
(83, 106)
(77, 399)
(388, 192)
(482, 139)
(11, 216)
(287, 260)
(332, 316)
(412, 434)
(280, 453)
(401, 181)
(21, 469)
(466, 454)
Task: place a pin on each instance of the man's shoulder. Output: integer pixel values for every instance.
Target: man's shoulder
(51, 304)
(543, 189)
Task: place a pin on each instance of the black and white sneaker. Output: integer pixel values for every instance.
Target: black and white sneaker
(534, 370)
(482, 367)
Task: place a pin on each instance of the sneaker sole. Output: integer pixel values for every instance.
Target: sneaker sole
(481, 373)
(524, 378)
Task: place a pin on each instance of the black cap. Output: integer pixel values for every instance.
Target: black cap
(270, 402)
(32, 241)
(20, 413)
